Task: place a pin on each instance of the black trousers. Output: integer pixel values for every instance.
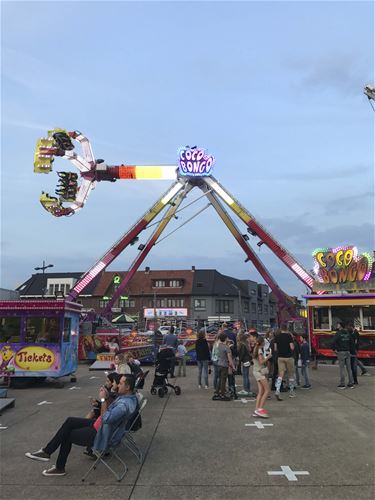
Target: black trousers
(73, 431)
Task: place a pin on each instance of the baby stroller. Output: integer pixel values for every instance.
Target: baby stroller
(162, 367)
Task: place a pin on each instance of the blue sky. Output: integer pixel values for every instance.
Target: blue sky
(272, 89)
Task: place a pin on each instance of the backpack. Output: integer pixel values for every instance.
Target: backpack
(215, 353)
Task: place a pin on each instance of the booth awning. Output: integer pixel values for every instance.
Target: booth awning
(123, 318)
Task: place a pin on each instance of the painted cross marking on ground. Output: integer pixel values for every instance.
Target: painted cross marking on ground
(44, 403)
(258, 424)
(2, 428)
(288, 473)
(93, 377)
(243, 400)
(73, 388)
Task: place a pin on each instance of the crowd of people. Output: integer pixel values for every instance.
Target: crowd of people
(278, 361)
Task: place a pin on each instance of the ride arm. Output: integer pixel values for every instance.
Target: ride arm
(150, 243)
(282, 298)
(124, 241)
(257, 230)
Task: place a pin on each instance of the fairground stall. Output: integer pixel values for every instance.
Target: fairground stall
(348, 280)
(38, 339)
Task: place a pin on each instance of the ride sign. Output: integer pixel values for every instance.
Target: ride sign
(193, 162)
(342, 265)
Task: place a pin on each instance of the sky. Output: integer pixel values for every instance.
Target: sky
(274, 90)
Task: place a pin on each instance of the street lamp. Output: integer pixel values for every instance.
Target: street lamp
(241, 318)
(43, 267)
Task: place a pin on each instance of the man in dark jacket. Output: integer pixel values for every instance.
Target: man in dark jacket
(342, 344)
(171, 341)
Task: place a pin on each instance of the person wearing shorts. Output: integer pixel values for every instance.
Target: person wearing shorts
(284, 347)
(260, 372)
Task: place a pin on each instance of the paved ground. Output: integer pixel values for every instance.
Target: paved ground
(197, 448)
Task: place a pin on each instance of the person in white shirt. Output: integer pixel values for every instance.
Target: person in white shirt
(181, 358)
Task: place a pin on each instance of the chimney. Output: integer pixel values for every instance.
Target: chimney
(147, 270)
(192, 269)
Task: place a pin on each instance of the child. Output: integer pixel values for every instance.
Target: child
(181, 358)
(305, 358)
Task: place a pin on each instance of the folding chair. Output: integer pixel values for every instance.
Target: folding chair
(107, 456)
(128, 440)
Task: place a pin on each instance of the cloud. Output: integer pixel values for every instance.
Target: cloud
(344, 73)
(26, 124)
(357, 202)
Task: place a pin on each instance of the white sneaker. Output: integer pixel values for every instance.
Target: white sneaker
(199, 387)
(242, 393)
(206, 386)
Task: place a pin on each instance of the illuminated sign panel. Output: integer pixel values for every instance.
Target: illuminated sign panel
(180, 312)
(341, 265)
(193, 162)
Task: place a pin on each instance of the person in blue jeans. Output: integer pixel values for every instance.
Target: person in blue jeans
(203, 356)
(305, 359)
(244, 358)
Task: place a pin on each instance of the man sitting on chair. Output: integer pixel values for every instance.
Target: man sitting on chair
(107, 430)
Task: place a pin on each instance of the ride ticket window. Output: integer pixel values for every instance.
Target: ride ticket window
(321, 318)
(346, 315)
(368, 313)
(10, 329)
(42, 330)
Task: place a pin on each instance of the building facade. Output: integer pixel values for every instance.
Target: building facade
(200, 295)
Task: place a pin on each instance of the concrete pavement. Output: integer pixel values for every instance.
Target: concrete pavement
(196, 448)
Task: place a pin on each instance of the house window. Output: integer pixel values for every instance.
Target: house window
(175, 283)
(200, 304)
(127, 303)
(252, 292)
(253, 308)
(259, 308)
(271, 309)
(224, 306)
(159, 284)
(246, 306)
(175, 303)
(265, 309)
(200, 284)
(50, 290)
(103, 303)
